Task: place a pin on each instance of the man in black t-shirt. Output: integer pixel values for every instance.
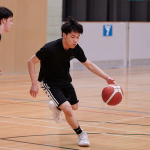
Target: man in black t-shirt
(6, 18)
(55, 78)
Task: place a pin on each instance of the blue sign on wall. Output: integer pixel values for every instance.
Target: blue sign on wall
(107, 30)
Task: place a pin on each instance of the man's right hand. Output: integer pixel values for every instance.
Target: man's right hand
(31, 66)
(34, 90)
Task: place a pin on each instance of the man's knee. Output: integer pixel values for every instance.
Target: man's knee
(75, 107)
(66, 108)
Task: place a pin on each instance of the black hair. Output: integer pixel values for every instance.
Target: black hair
(71, 25)
(5, 13)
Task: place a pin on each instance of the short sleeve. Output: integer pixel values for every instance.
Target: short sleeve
(80, 54)
(44, 52)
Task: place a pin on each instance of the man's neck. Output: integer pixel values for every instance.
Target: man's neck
(2, 29)
(64, 44)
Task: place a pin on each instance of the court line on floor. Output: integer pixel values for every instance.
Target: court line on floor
(88, 111)
(23, 118)
(8, 93)
(115, 109)
(13, 91)
(9, 148)
(76, 86)
(109, 113)
(39, 144)
(86, 131)
(87, 125)
(46, 99)
(29, 119)
(24, 100)
(29, 98)
(7, 139)
(121, 104)
(90, 107)
(122, 136)
(112, 121)
(15, 86)
(127, 119)
(23, 103)
(29, 89)
(31, 125)
(66, 123)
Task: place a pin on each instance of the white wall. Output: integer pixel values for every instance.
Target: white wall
(128, 46)
(139, 44)
(104, 51)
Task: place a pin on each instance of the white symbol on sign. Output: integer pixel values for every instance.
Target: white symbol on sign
(107, 27)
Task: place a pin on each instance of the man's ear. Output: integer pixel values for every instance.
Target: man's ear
(3, 21)
(64, 35)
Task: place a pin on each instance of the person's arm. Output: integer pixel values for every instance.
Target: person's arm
(0, 71)
(31, 66)
(96, 70)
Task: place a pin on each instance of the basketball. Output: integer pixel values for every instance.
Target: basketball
(112, 95)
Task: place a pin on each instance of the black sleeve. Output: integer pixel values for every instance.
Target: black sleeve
(80, 54)
(44, 52)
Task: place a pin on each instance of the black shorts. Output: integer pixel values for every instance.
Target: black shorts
(60, 95)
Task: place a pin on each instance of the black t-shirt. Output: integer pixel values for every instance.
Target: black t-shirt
(0, 37)
(55, 63)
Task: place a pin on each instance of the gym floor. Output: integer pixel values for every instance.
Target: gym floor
(26, 123)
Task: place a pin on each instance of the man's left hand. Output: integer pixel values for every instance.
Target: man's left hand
(111, 81)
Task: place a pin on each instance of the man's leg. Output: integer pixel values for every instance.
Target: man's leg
(56, 112)
(72, 121)
(67, 108)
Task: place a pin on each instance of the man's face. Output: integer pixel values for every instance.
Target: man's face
(71, 39)
(8, 23)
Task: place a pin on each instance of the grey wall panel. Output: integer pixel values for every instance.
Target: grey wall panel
(107, 10)
(123, 10)
(97, 10)
(76, 9)
(112, 10)
(139, 11)
(148, 15)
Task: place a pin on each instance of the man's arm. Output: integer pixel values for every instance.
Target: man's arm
(31, 66)
(96, 70)
(0, 71)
